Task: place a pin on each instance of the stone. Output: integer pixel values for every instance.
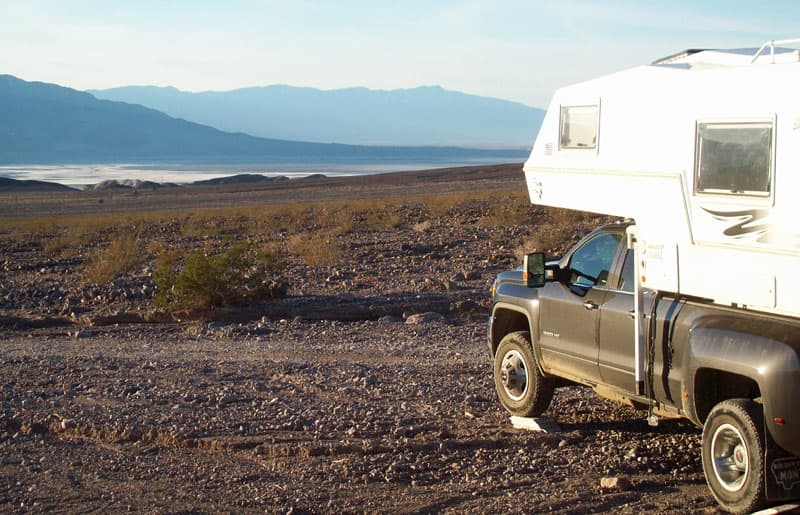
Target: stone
(472, 275)
(619, 483)
(424, 318)
(543, 424)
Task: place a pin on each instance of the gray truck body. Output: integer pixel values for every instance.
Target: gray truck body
(698, 353)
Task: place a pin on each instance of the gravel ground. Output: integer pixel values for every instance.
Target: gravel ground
(334, 403)
(373, 416)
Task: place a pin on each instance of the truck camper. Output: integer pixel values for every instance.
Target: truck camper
(689, 306)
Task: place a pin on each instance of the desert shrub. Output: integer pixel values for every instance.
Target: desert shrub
(56, 245)
(422, 226)
(316, 249)
(546, 239)
(508, 210)
(383, 218)
(120, 257)
(440, 205)
(235, 277)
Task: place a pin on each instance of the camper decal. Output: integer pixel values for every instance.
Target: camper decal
(536, 188)
(744, 224)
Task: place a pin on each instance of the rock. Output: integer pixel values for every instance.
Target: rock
(465, 306)
(472, 275)
(228, 399)
(424, 318)
(68, 423)
(369, 381)
(619, 483)
(543, 424)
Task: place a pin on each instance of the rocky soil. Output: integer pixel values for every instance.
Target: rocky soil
(368, 389)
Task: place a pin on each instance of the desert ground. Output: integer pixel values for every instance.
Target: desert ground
(350, 375)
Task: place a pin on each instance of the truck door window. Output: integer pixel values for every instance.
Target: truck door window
(626, 279)
(590, 264)
(734, 158)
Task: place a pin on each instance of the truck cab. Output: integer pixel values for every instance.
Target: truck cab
(573, 321)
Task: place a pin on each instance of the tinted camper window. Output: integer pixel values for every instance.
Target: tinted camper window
(578, 127)
(734, 158)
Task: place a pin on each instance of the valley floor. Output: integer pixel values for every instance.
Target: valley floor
(329, 400)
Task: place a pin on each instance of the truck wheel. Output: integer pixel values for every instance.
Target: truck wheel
(522, 388)
(733, 455)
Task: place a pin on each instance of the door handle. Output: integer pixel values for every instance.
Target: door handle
(632, 314)
(590, 305)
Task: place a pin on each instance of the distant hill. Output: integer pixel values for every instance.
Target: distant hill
(45, 123)
(7, 184)
(419, 116)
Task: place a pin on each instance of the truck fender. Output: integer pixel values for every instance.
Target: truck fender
(509, 317)
(726, 360)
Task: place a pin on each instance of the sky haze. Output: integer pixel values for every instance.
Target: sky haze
(515, 49)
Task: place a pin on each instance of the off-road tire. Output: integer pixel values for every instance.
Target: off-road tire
(733, 455)
(527, 396)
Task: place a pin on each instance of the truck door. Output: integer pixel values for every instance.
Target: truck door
(569, 309)
(616, 329)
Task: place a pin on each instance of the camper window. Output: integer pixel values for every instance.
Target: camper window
(734, 158)
(578, 128)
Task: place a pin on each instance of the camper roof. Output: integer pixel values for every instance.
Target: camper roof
(768, 53)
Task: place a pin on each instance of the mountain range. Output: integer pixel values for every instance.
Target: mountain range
(46, 123)
(359, 116)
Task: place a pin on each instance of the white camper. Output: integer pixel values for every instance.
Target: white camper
(701, 150)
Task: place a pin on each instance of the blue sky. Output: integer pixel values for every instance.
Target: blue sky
(519, 50)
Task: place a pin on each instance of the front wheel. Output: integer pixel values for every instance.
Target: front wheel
(522, 388)
(733, 455)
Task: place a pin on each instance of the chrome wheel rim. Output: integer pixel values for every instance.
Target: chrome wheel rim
(514, 375)
(730, 458)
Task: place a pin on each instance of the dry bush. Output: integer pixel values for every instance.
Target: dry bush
(70, 241)
(422, 226)
(441, 205)
(235, 277)
(120, 257)
(546, 239)
(315, 249)
(512, 209)
(382, 218)
(56, 245)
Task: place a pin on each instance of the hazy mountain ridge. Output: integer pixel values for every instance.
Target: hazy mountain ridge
(427, 115)
(47, 123)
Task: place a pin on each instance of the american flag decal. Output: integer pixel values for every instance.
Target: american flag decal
(548, 149)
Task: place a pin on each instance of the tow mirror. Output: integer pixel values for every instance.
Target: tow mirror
(533, 272)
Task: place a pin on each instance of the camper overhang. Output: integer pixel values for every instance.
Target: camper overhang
(702, 151)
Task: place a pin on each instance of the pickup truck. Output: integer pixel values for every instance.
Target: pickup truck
(731, 371)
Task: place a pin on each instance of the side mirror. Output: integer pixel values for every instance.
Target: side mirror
(533, 269)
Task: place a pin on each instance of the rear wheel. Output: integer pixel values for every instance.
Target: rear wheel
(522, 388)
(733, 455)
